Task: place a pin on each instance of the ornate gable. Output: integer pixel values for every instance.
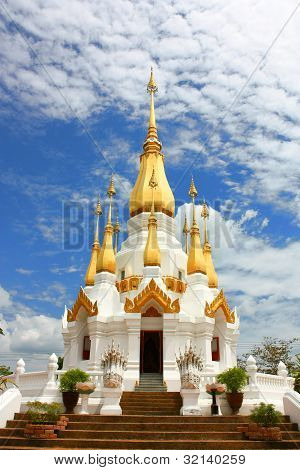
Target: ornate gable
(220, 302)
(152, 291)
(82, 301)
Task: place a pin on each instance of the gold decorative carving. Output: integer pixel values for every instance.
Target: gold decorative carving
(82, 301)
(220, 302)
(129, 283)
(174, 284)
(152, 291)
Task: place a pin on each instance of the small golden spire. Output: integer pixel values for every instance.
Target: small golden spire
(106, 259)
(186, 231)
(152, 251)
(210, 269)
(116, 231)
(91, 270)
(196, 262)
(152, 142)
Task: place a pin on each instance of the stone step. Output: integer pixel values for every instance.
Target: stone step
(156, 419)
(148, 426)
(148, 435)
(66, 443)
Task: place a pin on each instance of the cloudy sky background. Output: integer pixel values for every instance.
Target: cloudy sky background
(74, 109)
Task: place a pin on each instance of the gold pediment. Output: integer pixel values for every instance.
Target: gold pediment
(82, 301)
(152, 291)
(220, 302)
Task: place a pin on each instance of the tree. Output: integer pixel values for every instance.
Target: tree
(4, 370)
(269, 353)
(296, 373)
(1, 332)
(60, 362)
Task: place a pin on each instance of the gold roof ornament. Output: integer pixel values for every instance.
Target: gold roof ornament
(106, 259)
(116, 232)
(141, 194)
(84, 301)
(150, 292)
(196, 262)
(220, 302)
(92, 267)
(210, 269)
(186, 231)
(152, 251)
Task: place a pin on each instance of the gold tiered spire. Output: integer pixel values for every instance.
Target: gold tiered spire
(106, 259)
(196, 262)
(152, 251)
(185, 231)
(141, 194)
(116, 232)
(91, 270)
(210, 269)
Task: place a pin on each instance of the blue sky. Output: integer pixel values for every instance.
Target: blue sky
(74, 108)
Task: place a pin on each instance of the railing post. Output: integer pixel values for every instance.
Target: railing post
(283, 372)
(20, 369)
(51, 385)
(251, 369)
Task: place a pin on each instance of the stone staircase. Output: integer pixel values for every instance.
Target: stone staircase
(148, 431)
(151, 383)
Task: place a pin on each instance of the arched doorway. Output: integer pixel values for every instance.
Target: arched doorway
(151, 351)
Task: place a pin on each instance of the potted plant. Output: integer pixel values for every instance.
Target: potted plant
(265, 419)
(67, 386)
(44, 420)
(235, 380)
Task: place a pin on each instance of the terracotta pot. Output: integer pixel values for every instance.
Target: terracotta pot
(70, 400)
(235, 401)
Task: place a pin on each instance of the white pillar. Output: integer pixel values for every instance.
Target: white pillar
(20, 369)
(95, 356)
(283, 372)
(204, 344)
(190, 402)
(251, 369)
(111, 402)
(132, 373)
(73, 352)
(170, 370)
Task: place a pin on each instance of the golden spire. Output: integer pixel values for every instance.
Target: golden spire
(91, 270)
(210, 269)
(186, 231)
(141, 194)
(152, 251)
(106, 259)
(116, 231)
(196, 262)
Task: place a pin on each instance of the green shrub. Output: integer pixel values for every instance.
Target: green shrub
(265, 415)
(235, 379)
(41, 413)
(70, 378)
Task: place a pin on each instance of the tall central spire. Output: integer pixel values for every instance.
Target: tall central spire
(152, 142)
(141, 194)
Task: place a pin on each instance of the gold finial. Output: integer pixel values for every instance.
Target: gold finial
(210, 269)
(193, 191)
(205, 215)
(98, 210)
(151, 87)
(152, 251)
(106, 259)
(92, 268)
(185, 231)
(116, 231)
(111, 190)
(196, 263)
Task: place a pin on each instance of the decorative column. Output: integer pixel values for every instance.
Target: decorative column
(170, 370)
(283, 372)
(190, 364)
(204, 344)
(132, 374)
(113, 364)
(251, 369)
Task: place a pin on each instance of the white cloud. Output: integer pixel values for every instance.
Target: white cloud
(203, 53)
(25, 272)
(248, 215)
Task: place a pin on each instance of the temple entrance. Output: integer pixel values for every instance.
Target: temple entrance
(151, 352)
